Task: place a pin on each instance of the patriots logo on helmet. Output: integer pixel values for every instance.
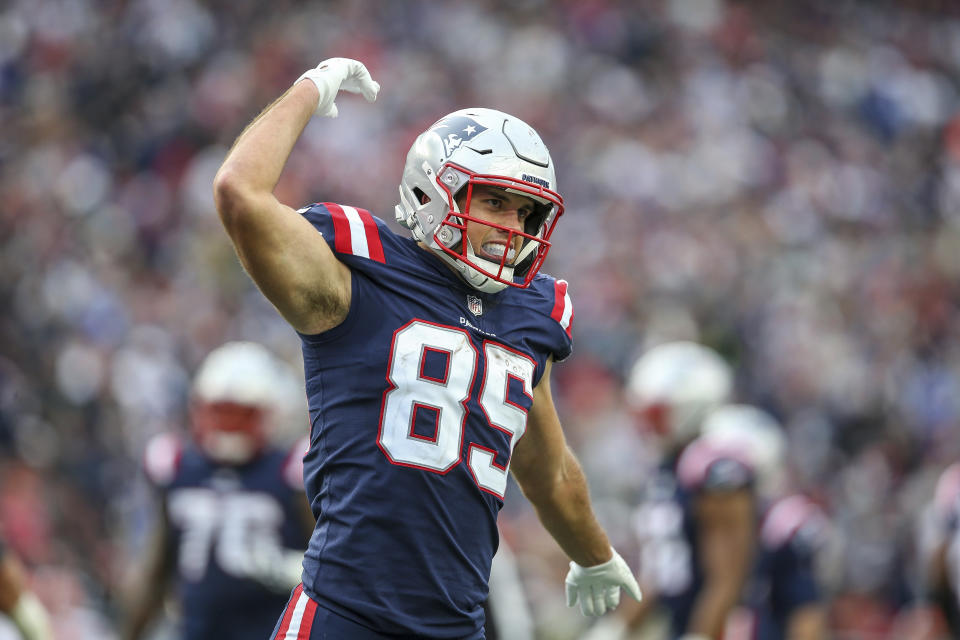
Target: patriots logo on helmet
(455, 131)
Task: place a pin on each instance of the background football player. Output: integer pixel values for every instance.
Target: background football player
(694, 544)
(233, 520)
(716, 558)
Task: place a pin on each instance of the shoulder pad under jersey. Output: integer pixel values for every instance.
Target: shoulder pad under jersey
(348, 230)
(704, 466)
(161, 458)
(792, 518)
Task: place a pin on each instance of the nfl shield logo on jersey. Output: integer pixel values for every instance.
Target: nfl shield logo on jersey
(475, 305)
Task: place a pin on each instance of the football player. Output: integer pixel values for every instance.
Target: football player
(427, 364)
(233, 516)
(728, 490)
(695, 542)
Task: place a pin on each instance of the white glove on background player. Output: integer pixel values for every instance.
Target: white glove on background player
(598, 587)
(336, 74)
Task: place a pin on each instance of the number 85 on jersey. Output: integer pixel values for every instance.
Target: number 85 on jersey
(442, 396)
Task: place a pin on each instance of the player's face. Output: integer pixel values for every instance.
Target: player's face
(497, 207)
(228, 420)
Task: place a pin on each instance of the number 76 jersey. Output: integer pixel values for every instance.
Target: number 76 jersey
(416, 402)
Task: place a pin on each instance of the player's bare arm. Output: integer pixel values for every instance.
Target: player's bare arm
(551, 478)
(282, 252)
(727, 540)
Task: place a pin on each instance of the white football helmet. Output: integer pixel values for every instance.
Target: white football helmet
(755, 434)
(236, 394)
(675, 385)
(479, 147)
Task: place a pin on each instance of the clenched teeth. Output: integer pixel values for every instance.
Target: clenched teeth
(496, 250)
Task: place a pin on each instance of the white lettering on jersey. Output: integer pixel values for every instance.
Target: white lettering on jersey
(226, 528)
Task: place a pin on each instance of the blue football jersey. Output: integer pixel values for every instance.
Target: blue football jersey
(784, 580)
(666, 530)
(416, 402)
(218, 515)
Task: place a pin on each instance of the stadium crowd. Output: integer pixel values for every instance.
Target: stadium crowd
(780, 181)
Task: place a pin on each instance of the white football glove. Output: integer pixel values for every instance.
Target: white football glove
(275, 568)
(598, 587)
(335, 74)
(31, 618)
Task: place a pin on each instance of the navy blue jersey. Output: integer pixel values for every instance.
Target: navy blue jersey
(792, 532)
(666, 533)
(666, 526)
(220, 518)
(416, 402)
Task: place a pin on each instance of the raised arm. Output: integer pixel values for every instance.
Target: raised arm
(551, 478)
(282, 252)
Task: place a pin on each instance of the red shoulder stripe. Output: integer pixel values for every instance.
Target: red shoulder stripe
(355, 232)
(562, 307)
(341, 228)
(374, 245)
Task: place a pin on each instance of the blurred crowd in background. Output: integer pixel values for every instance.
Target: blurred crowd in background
(777, 180)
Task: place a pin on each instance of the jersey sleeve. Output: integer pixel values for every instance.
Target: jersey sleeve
(562, 314)
(350, 232)
(161, 459)
(707, 467)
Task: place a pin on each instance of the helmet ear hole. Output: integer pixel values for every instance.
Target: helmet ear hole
(422, 197)
(524, 265)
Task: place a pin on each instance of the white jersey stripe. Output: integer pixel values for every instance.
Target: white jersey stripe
(358, 235)
(567, 310)
(293, 631)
